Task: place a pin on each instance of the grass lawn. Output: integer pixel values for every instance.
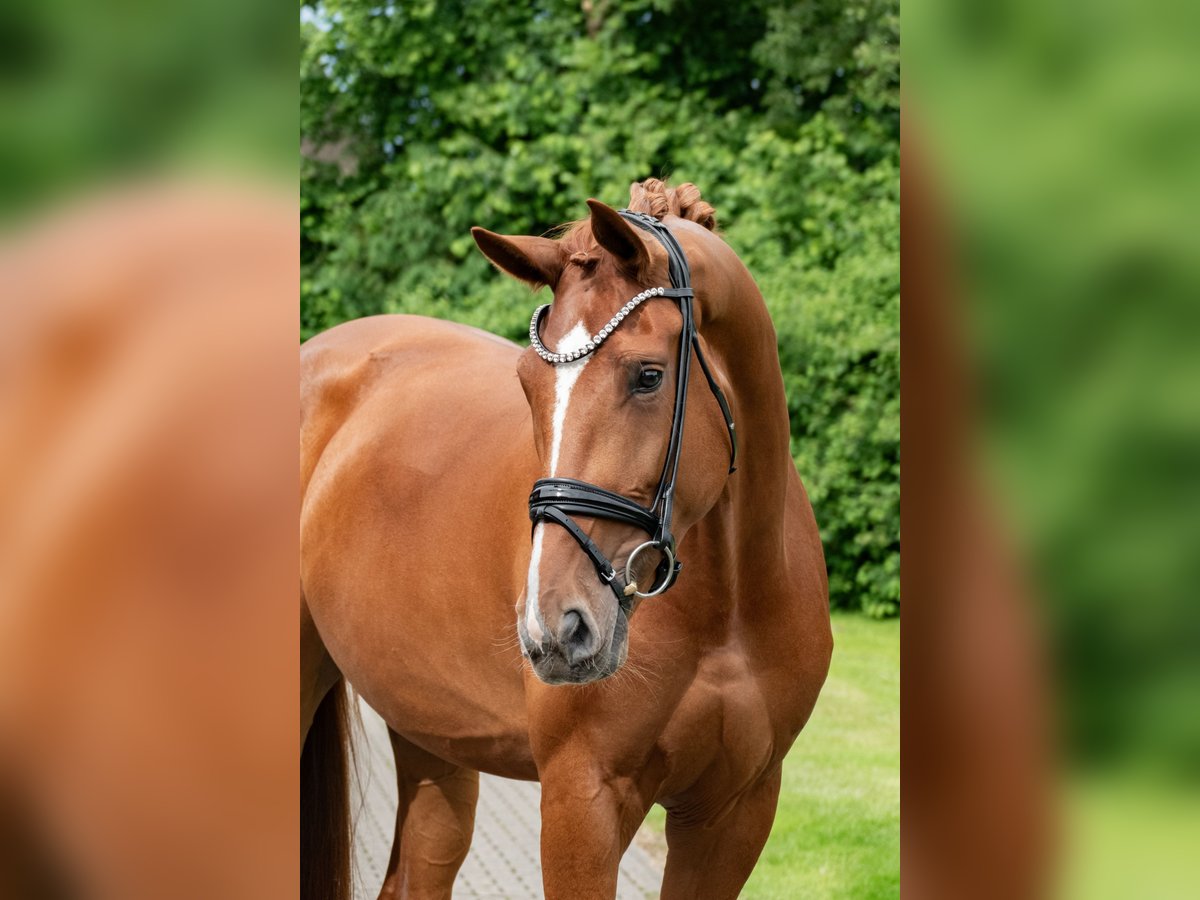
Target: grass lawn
(837, 831)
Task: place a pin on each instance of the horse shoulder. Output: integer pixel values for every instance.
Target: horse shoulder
(795, 642)
(721, 738)
(783, 636)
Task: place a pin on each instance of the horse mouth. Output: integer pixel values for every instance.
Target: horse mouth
(551, 666)
(558, 671)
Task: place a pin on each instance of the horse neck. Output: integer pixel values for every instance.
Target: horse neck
(748, 521)
(743, 340)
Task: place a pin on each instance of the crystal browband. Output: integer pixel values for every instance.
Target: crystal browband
(596, 340)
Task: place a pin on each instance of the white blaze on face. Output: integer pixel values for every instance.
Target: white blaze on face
(565, 376)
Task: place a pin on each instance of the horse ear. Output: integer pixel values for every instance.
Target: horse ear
(536, 260)
(617, 236)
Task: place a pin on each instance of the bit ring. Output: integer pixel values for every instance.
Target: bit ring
(633, 556)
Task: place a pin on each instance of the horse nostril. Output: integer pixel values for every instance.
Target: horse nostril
(575, 637)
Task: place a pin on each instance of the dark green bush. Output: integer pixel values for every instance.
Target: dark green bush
(420, 120)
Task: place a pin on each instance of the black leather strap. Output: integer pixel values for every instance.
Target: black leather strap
(721, 401)
(604, 568)
(681, 281)
(558, 499)
(579, 498)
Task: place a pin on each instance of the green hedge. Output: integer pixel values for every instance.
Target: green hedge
(422, 119)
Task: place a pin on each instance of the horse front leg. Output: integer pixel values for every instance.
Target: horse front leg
(435, 820)
(711, 854)
(588, 820)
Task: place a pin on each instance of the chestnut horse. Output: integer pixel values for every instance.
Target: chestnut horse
(420, 443)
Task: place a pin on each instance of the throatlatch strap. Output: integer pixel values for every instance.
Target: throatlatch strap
(681, 281)
(721, 401)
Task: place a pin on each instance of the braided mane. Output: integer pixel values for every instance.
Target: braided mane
(659, 199)
(652, 196)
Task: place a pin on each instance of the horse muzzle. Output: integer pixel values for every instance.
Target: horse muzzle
(573, 652)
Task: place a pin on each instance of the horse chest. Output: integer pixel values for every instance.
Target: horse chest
(723, 730)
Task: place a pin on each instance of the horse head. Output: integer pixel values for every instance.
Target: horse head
(605, 419)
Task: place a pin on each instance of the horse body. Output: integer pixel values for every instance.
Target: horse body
(418, 452)
(412, 528)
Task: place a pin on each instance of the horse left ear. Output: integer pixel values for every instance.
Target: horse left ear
(617, 236)
(536, 260)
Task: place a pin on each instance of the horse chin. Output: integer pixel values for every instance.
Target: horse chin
(552, 669)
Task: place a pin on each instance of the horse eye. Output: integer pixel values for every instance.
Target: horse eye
(649, 380)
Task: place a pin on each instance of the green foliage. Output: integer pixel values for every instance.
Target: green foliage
(420, 120)
(841, 58)
(94, 93)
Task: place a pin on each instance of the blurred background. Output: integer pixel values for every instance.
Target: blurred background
(1056, 148)
(94, 93)
(1057, 143)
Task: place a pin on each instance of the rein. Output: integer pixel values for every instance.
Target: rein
(558, 499)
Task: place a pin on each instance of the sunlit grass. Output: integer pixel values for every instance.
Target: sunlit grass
(1126, 833)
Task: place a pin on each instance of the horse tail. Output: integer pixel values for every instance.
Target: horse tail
(325, 802)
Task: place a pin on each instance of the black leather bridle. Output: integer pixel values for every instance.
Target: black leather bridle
(557, 500)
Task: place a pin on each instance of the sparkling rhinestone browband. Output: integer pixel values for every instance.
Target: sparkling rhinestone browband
(595, 341)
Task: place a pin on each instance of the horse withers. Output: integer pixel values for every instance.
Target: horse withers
(671, 632)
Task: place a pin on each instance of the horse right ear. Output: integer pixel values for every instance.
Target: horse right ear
(536, 260)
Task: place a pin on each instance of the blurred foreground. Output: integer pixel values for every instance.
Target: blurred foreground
(148, 283)
(147, 544)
